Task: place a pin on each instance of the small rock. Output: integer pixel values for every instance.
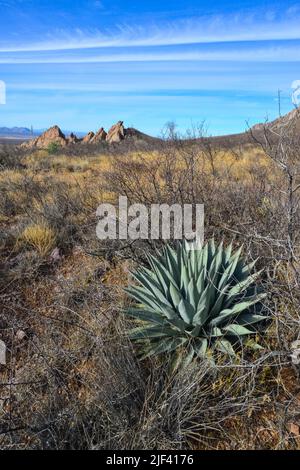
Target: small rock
(20, 335)
(294, 429)
(55, 255)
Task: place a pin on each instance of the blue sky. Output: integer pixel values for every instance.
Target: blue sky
(86, 64)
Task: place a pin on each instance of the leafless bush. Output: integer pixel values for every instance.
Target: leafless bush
(88, 391)
(10, 157)
(282, 145)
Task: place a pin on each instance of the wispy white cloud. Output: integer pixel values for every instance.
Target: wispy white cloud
(251, 26)
(259, 53)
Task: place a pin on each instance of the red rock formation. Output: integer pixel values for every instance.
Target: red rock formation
(99, 136)
(52, 135)
(116, 133)
(72, 139)
(88, 138)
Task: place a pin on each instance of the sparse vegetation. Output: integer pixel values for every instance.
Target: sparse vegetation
(72, 378)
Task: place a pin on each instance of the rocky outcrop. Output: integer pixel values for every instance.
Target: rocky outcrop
(116, 133)
(52, 136)
(88, 138)
(72, 139)
(99, 136)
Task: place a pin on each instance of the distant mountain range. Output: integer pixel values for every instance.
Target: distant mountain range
(25, 133)
(15, 132)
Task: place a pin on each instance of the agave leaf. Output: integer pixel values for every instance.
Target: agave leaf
(143, 315)
(211, 250)
(178, 323)
(248, 268)
(193, 262)
(200, 316)
(237, 254)
(215, 269)
(186, 311)
(230, 312)
(199, 262)
(160, 296)
(243, 271)
(184, 279)
(195, 331)
(163, 275)
(250, 318)
(167, 345)
(175, 296)
(217, 307)
(189, 357)
(225, 347)
(143, 298)
(205, 257)
(228, 253)
(215, 332)
(192, 295)
(237, 330)
(142, 332)
(204, 304)
(200, 346)
(171, 257)
(243, 285)
(228, 274)
(145, 280)
(201, 283)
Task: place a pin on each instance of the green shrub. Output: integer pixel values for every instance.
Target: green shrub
(194, 301)
(53, 148)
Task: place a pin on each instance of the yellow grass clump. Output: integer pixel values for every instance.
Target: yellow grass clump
(38, 236)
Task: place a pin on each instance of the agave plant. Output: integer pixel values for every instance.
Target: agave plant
(195, 301)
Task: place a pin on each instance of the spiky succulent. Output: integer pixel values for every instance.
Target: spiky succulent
(195, 301)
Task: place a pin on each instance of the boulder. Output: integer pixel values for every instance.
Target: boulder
(116, 133)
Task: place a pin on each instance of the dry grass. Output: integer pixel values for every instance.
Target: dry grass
(40, 237)
(74, 380)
